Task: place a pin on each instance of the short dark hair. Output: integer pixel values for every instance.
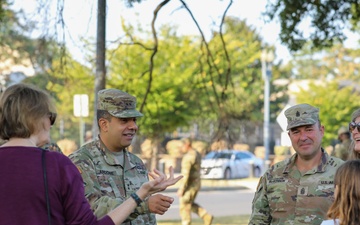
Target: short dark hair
(102, 114)
(22, 106)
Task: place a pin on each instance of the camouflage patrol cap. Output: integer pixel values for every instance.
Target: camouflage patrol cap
(118, 103)
(186, 140)
(343, 130)
(300, 115)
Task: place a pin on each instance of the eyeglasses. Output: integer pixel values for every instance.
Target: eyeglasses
(52, 117)
(354, 125)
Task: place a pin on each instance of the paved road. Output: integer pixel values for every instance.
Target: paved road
(217, 202)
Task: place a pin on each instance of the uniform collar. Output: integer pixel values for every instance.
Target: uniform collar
(320, 168)
(110, 158)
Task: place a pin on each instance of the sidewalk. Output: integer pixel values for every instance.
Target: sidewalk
(233, 184)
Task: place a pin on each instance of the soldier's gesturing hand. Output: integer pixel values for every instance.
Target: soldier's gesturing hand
(159, 203)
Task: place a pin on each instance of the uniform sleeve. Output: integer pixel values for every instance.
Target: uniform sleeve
(75, 206)
(99, 204)
(336, 150)
(144, 207)
(260, 206)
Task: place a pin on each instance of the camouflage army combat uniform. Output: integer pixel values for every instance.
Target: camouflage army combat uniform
(52, 147)
(285, 196)
(108, 184)
(190, 169)
(342, 149)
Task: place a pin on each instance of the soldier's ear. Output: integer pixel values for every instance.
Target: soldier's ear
(103, 124)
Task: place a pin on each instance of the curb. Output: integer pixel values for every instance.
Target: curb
(221, 185)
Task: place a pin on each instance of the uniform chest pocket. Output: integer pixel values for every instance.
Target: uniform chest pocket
(279, 195)
(111, 185)
(318, 199)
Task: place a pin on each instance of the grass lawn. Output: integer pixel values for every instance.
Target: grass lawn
(228, 220)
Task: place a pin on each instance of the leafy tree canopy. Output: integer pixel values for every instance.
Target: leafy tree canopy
(189, 81)
(328, 19)
(337, 62)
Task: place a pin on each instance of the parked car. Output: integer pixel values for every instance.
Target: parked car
(229, 164)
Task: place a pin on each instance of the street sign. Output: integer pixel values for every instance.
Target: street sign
(281, 119)
(81, 105)
(285, 139)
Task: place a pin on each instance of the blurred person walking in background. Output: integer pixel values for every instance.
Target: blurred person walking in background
(188, 189)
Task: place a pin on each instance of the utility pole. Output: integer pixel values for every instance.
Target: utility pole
(100, 76)
(267, 58)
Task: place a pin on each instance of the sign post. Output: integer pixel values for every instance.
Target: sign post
(81, 109)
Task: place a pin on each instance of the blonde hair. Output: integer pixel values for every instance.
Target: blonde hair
(346, 206)
(353, 154)
(21, 108)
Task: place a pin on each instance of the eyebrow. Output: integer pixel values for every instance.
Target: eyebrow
(306, 126)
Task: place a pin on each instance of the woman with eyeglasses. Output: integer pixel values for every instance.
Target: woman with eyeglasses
(45, 187)
(354, 128)
(345, 210)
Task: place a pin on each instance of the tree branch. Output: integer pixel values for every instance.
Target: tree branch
(155, 48)
(228, 70)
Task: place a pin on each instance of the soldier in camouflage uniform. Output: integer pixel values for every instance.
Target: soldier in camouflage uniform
(342, 149)
(52, 147)
(190, 169)
(300, 189)
(110, 172)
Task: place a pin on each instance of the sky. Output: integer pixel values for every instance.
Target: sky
(80, 19)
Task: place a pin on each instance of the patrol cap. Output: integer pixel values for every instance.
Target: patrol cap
(355, 115)
(301, 115)
(118, 103)
(186, 140)
(343, 130)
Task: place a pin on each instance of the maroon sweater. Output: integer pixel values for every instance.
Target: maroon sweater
(22, 191)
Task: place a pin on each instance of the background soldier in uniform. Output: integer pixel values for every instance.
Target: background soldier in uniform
(190, 169)
(298, 190)
(110, 172)
(342, 149)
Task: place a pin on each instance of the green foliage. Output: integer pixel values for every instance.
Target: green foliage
(245, 83)
(336, 62)
(55, 72)
(192, 84)
(334, 103)
(217, 87)
(328, 18)
(169, 104)
(244, 97)
(63, 80)
(14, 44)
(73, 78)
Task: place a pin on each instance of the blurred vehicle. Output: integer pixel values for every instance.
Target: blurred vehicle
(229, 164)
